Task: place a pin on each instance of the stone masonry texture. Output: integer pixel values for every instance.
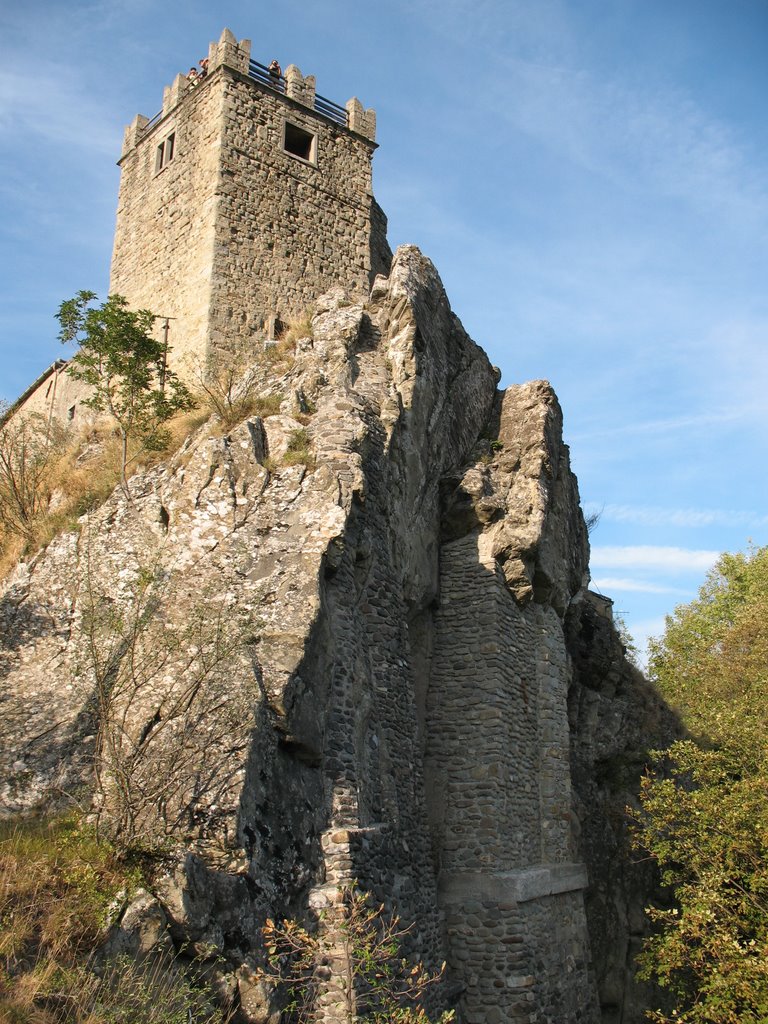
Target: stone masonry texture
(234, 230)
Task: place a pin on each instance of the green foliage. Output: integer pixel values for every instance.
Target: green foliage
(267, 405)
(58, 887)
(704, 814)
(55, 873)
(711, 660)
(487, 448)
(154, 992)
(125, 367)
(351, 959)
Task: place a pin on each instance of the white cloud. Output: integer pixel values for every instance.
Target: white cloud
(664, 559)
(611, 584)
(640, 135)
(669, 424)
(656, 515)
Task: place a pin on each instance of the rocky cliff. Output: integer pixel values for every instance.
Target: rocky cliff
(353, 641)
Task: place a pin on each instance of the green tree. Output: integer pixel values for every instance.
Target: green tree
(704, 807)
(125, 367)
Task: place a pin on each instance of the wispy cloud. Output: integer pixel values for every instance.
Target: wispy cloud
(642, 136)
(613, 584)
(48, 101)
(656, 515)
(669, 424)
(664, 559)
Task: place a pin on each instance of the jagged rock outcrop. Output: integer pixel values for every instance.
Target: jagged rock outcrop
(354, 665)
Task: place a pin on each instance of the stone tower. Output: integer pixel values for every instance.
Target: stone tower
(246, 197)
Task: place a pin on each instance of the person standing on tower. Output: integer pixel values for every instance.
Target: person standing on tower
(275, 73)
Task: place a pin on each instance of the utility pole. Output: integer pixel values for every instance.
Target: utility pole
(166, 328)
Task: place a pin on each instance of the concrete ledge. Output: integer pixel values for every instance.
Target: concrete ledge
(519, 886)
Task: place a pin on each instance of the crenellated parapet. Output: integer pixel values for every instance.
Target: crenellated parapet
(299, 88)
(361, 120)
(229, 51)
(236, 56)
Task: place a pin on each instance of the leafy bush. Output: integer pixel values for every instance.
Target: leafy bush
(704, 815)
(125, 368)
(29, 450)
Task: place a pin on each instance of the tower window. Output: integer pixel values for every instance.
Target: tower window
(300, 143)
(165, 152)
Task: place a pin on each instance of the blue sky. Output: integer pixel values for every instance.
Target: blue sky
(589, 177)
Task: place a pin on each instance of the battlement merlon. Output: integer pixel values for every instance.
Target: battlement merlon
(237, 56)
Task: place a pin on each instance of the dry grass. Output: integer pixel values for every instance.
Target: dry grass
(59, 889)
(295, 329)
(83, 476)
(56, 887)
(241, 382)
(267, 405)
(280, 355)
(299, 451)
(11, 552)
(242, 407)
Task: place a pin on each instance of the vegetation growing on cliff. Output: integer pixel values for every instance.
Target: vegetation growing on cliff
(125, 368)
(29, 450)
(170, 730)
(61, 892)
(49, 477)
(705, 807)
(351, 961)
(67, 477)
(299, 450)
(235, 384)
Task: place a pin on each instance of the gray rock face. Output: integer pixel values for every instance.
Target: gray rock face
(616, 718)
(356, 664)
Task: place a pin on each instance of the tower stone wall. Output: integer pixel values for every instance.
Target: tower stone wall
(499, 799)
(165, 231)
(223, 225)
